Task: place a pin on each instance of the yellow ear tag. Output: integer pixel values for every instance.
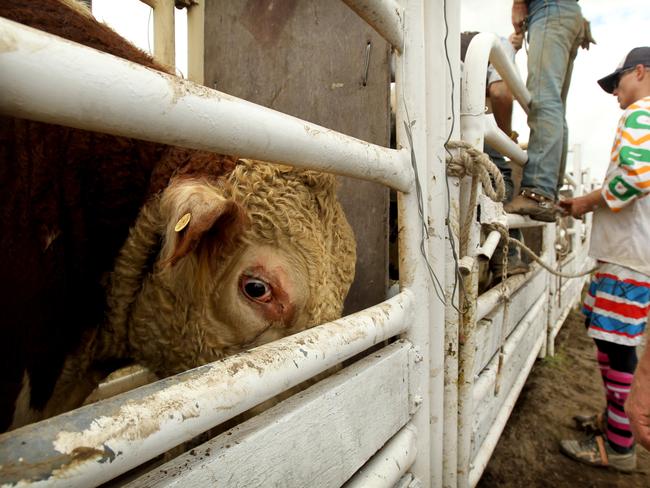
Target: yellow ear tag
(182, 223)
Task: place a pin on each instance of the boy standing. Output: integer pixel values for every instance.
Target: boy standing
(619, 295)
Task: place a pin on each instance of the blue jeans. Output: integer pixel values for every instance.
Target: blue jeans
(554, 33)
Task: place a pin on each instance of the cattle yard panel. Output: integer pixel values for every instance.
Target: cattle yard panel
(151, 107)
(369, 401)
(395, 406)
(505, 329)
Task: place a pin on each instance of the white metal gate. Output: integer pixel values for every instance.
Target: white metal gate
(390, 418)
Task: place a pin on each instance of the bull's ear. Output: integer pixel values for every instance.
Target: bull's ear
(196, 213)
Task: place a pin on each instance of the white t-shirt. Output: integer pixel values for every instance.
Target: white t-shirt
(621, 231)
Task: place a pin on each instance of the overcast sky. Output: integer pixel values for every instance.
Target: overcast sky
(592, 114)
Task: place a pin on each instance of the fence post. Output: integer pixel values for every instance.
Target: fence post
(411, 127)
(472, 129)
(443, 85)
(164, 38)
(195, 41)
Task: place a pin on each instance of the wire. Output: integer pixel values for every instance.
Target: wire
(149, 31)
(437, 286)
(452, 242)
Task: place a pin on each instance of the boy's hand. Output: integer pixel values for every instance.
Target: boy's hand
(566, 206)
(516, 40)
(576, 207)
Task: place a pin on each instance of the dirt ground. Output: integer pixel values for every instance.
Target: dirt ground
(559, 387)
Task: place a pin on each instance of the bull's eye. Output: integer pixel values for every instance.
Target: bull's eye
(256, 289)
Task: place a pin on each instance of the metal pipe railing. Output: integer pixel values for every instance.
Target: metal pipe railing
(570, 180)
(442, 28)
(449, 22)
(505, 68)
(390, 463)
(385, 16)
(411, 132)
(196, 41)
(164, 37)
(164, 29)
(515, 221)
(498, 139)
(486, 47)
(72, 449)
(88, 89)
(489, 245)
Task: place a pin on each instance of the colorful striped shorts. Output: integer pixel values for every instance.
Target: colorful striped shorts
(617, 305)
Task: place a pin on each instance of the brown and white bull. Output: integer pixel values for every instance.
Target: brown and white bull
(223, 254)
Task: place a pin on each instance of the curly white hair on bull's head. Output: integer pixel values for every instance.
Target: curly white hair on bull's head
(261, 254)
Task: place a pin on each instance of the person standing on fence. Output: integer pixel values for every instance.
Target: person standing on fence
(617, 304)
(555, 30)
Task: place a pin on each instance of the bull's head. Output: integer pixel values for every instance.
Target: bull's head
(252, 257)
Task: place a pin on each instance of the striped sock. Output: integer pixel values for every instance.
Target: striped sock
(618, 386)
(603, 364)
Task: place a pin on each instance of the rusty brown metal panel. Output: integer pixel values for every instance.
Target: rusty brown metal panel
(314, 59)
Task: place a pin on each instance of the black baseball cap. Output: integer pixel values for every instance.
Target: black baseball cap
(638, 55)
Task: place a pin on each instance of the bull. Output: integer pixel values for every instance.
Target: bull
(116, 250)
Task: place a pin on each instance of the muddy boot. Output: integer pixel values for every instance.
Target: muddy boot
(531, 203)
(591, 424)
(596, 451)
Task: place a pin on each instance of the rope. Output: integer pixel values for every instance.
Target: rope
(501, 229)
(469, 161)
(472, 162)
